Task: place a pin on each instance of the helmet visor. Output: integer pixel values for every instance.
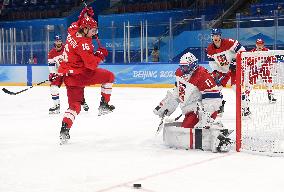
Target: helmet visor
(186, 69)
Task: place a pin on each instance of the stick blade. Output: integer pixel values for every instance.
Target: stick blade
(8, 92)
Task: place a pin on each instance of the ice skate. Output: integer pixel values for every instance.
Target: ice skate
(226, 132)
(55, 109)
(85, 105)
(271, 98)
(224, 144)
(246, 112)
(105, 108)
(64, 134)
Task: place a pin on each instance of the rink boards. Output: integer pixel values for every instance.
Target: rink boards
(127, 75)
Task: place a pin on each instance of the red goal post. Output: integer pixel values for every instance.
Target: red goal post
(259, 74)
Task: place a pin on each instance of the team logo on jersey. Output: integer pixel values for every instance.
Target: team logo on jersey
(181, 90)
(222, 59)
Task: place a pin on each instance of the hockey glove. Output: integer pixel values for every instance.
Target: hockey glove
(218, 77)
(87, 11)
(101, 53)
(169, 104)
(52, 77)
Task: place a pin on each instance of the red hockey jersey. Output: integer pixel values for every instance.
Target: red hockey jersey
(78, 53)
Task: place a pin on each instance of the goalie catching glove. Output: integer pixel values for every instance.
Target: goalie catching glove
(169, 103)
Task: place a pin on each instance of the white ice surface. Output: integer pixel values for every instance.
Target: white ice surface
(110, 153)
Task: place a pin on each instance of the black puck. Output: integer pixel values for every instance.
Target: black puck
(137, 185)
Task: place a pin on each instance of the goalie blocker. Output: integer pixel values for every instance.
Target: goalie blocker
(213, 139)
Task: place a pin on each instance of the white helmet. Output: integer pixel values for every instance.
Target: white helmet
(187, 58)
(188, 63)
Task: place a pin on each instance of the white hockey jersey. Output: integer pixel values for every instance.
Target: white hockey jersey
(54, 58)
(221, 58)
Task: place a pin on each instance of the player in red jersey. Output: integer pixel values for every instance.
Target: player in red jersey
(195, 92)
(262, 69)
(54, 58)
(80, 67)
(258, 68)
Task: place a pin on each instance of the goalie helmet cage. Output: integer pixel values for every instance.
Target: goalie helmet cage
(262, 131)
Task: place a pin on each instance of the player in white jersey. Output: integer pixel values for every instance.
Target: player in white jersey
(54, 58)
(222, 59)
(222, 56)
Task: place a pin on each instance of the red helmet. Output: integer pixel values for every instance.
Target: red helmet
(88, 22)
(259, 42)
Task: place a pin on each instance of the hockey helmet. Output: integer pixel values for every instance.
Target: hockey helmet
(57, 41)
(188, 63)
(259, 42)
(88, 22)
(216, 31)
(57, 37)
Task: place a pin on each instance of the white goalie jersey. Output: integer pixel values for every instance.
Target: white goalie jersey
(198, 88)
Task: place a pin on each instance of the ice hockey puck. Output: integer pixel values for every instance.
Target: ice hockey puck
(137, 185)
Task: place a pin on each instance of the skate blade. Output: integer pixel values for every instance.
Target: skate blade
(54, 112)
(104, 112)
(63, 140)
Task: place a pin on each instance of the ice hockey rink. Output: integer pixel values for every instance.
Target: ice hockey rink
(112, 152)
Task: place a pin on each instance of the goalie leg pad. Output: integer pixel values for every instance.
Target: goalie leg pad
(211, 139)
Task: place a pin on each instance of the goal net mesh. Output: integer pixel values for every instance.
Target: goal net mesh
(261, 126)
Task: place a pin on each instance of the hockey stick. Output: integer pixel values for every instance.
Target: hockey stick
(177, 118)
(96, 36)
(16, 93)
(84, 3)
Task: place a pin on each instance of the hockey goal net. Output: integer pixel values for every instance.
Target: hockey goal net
(260, 102)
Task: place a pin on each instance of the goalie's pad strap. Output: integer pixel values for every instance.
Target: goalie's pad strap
(211, 95)
(198, 138)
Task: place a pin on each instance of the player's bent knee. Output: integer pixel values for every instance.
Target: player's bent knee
(111, 77)
(76, 107)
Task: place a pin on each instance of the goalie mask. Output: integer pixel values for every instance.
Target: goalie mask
(188, 63)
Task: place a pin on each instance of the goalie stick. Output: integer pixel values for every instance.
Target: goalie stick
(160, 127)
